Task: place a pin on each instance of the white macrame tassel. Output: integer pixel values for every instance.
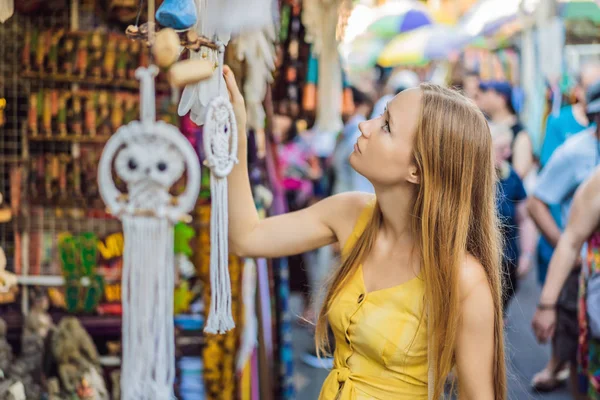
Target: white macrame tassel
(148, 370)
(220, 147)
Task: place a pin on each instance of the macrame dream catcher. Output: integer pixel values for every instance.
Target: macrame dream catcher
(149, 156)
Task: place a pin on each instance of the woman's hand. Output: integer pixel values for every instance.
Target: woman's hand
(236, 98)
(544, 323)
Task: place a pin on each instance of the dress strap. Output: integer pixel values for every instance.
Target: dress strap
(359, 226)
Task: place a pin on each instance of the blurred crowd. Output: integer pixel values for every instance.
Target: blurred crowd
(535, 195)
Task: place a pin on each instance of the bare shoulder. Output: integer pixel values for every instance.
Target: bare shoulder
(472, 277)
(343, 210)
(477, 304)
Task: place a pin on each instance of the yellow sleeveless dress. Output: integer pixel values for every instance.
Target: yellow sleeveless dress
(380, 338)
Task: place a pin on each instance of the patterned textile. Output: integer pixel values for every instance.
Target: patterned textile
(589, 348)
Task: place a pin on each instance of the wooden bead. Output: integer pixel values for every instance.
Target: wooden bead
(190, 71)
(166, 48)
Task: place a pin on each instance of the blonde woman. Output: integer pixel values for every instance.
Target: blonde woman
(418, 291)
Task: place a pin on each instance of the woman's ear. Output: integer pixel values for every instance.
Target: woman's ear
(413, 175)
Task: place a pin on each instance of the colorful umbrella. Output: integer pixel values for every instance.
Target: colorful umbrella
(363, 52)
(389, 26)
(580, 10)
(422, 45)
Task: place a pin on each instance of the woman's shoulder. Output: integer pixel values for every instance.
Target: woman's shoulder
(346, 210)
(471, 276)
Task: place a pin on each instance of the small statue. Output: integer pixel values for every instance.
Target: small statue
(53, 52)
(117, 115)
(110, 58)
(75, 114)
(8, 282)
(77, 358)
(122, 58)
(6, 354)
(26, 55)
(32, 118)
(43, 43)
(90, 115)
(47, 114)
(104, 117)
(62, 113)
(67, 55)
(82, 57)
(96, 56)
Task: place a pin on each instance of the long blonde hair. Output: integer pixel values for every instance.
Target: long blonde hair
(454, 215)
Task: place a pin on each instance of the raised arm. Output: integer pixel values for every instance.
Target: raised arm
(583, 221)
(323, 223)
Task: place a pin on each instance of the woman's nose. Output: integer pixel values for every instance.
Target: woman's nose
(363, 127)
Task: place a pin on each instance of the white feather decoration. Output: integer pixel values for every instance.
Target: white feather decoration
(258, 50)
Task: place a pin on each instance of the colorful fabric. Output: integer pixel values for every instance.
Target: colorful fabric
(296, 160)
(380, 337)
(589, 348)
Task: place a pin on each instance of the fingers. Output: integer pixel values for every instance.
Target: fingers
(232, 87)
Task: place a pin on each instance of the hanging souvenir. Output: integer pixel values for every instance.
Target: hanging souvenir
(7, 9)
(258, 50)
(323, 29)
(149, 156)
(177, 14)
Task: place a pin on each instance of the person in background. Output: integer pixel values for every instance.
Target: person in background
(298, 168)
(570, 165)
(510, 193)
(397, 83)
(470, 84)
(582, 227)
(495, 100)
(572, 119)
(345, 176)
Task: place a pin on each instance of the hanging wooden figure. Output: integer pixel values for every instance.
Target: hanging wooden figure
(149, 156)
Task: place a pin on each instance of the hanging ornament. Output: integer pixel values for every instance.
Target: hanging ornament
(220, 150)
(177, 14)
(7, 9)
(218, 20)
(149, 156)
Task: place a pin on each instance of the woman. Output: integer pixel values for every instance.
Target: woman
(419, 283)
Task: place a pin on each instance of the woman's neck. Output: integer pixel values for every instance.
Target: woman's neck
(396, 206)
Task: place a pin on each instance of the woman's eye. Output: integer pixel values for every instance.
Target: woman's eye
(386, 126)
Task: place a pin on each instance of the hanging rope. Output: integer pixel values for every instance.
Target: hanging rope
(220, 147)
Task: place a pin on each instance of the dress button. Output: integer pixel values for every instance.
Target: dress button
(361, 298)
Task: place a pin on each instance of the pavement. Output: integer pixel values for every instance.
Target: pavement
(524, 355)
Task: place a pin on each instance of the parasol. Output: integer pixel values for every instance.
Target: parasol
(425, 44)
(364, 51)
(388, 26)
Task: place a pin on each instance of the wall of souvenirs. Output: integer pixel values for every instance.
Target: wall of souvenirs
(67, 85)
